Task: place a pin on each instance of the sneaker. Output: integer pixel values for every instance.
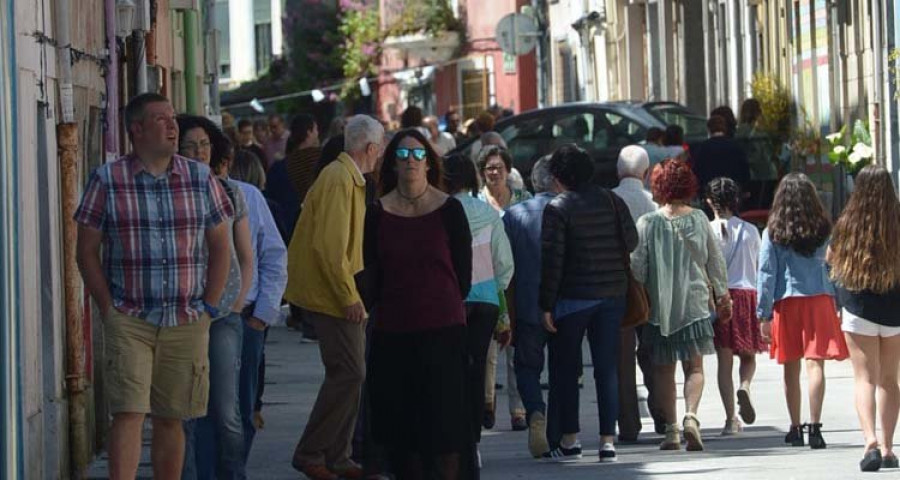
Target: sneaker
(563, 454)
(518, 423)
(608, 453)
(745, 406)
(732, 427)
(537, 435)
(816, 441)
(795, 436)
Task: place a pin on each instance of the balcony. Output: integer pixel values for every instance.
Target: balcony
(427, 47)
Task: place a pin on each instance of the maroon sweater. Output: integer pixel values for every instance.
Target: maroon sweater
(420, 268)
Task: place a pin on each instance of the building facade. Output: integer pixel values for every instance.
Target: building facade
(249, 36)
(68, 69)
(464, 70)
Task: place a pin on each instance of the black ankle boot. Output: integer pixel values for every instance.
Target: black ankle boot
(795, 436)
(816, 441)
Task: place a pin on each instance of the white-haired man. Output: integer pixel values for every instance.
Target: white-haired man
(324, 256)
(633, 166)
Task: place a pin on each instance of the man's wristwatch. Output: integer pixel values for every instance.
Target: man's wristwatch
(210, 310)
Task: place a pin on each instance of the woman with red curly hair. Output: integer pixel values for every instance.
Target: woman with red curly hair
(679, 261)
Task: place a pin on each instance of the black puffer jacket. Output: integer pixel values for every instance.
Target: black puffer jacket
(582, 254)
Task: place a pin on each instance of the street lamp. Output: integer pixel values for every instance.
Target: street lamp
(124, 17)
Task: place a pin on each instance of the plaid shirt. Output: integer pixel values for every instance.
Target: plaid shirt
(154, 247)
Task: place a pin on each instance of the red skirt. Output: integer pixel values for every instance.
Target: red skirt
(807, 327)
(741, 334)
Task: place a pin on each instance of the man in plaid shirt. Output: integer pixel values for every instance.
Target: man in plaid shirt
(159, 220)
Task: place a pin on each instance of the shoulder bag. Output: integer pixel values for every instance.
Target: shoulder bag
(637, 302)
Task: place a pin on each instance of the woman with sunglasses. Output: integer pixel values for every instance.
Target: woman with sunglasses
(418, 254)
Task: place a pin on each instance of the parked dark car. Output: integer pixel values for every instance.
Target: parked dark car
(600, 128)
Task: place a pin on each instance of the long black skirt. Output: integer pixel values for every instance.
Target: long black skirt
(418, 391)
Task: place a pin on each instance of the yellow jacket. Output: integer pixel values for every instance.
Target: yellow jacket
(326, 250)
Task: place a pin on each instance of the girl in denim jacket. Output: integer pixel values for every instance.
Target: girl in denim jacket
(796, 299)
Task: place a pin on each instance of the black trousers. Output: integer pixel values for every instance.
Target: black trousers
(481, 319)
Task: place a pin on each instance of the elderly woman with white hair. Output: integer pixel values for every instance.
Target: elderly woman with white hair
(633, 167)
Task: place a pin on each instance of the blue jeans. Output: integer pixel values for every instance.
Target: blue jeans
(601, 323)
(254, 342)
(214, 444)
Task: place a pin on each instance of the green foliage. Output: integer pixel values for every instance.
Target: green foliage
(361, 48)
(363, 35)
(775, 102)
(894, 71)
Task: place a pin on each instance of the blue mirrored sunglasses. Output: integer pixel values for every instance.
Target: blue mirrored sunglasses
(417, 153)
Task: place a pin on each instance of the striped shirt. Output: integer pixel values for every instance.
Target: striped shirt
(154, 242)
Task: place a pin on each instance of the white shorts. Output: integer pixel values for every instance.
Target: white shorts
(852, 324)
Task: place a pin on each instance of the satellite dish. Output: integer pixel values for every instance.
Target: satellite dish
(517, 34)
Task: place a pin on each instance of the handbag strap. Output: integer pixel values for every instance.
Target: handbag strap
(625, 255)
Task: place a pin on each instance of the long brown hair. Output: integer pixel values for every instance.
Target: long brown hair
(798, 219)
(863, 253)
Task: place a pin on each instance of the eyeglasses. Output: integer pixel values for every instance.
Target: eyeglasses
(196, 147)
(417, 153)
(494, 168)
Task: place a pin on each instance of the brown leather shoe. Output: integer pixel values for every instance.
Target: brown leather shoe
(350, 473)
(317, 472)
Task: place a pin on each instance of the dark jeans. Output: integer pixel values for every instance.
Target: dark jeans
(251, 356)
(601, 323)
(531, 340)
(530, 343)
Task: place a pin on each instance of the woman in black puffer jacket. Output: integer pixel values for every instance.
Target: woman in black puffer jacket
(586, 233)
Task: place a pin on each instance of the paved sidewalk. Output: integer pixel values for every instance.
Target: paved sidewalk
(294, 372)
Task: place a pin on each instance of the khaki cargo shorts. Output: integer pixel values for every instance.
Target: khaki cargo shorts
(160, 371)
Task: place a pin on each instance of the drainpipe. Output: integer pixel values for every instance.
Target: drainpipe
(191, 39)
(877, 60)
(212, 40)
(67, 141)
(112, 81)
(12, 458)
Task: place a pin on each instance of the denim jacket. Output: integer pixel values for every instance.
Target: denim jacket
(784, 273)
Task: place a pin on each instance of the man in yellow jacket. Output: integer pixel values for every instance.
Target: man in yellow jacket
(324, 255)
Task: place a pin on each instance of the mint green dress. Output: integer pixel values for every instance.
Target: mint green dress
(681, 325)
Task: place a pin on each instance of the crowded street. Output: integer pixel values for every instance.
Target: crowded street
(293, 376)
(449, 239)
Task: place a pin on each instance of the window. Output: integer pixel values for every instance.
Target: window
(263, 33)
(223, 27)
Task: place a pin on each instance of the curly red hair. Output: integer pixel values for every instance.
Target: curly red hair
(673, 180)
